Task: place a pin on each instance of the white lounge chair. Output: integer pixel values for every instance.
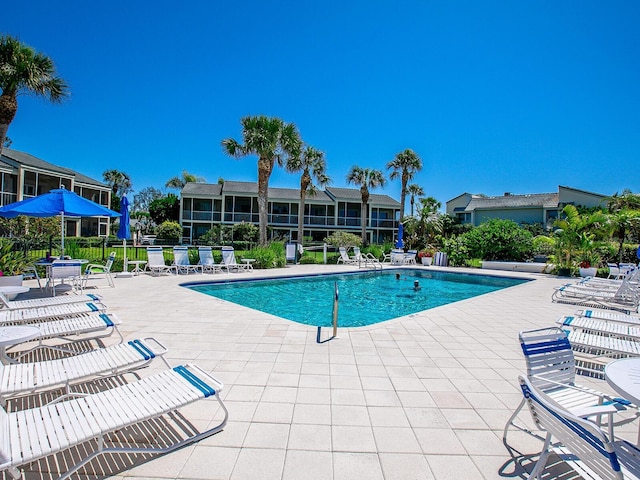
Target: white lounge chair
(345, 258)
(6, 304)
(22, 379)
(62, 310)
(601, 327)
(229, 261)
(581, 443)
(603, 345)
(207, 261)
(182, 263)
(625, 298)
(95, 271)
(551, 367)
(71, 330)
(156, 264)
(36, 433)
(609, 316)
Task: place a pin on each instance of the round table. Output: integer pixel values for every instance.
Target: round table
(624, 377)
(11, 291)
(249, 261)
(13, 335)
(137, 264)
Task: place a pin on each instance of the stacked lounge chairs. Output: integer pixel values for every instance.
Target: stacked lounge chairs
(93, 397)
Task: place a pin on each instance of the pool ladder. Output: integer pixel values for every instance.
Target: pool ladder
(335, 317)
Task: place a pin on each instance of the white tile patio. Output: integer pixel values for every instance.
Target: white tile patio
(425, 396)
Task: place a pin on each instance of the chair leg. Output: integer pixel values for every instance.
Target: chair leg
(542, 461)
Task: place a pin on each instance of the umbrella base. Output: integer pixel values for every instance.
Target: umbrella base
(124, 275)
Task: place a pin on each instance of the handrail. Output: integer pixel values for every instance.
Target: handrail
(335, 317)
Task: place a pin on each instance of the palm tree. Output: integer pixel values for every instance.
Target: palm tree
(274, 142)
(624, 215)
(179, 182)
(120, 184)
(366, 178)
(312, 164)
(405, 165)
(23, 70)
(414, 190)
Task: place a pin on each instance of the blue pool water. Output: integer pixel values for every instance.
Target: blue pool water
(364, 298)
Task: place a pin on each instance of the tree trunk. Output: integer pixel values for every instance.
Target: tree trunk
(305, 181)
(363, 215)
(264, 172)
(403, 193)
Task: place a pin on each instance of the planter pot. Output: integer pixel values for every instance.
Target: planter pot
(588, 272)
(564, 272)
(11, 281)
(426, 260)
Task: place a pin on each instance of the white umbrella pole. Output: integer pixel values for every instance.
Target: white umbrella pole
(125, 271)
(62, 229)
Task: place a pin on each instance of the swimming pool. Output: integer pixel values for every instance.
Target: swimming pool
(364, 298)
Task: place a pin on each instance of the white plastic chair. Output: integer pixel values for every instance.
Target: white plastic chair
(95, 271)
(207, 261)
(155, 262)
(551, 367)
(45, 301)
(230, 263)
(581, 443)
(57, 310)
(345, 258)
(182, 263)
(65, 271)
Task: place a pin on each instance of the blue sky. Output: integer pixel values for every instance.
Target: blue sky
(518, 96)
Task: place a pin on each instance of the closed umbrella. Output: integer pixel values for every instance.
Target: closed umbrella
(124, 232)
(400, 242)
(58, 201)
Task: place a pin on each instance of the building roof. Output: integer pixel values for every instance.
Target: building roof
(353, 195)
(546, 200)
(12, 157)
(209, 189)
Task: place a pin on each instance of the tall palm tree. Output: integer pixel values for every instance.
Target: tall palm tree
(120, 184)
(313, 166)
(405, 165)
(274, 142)
(624, 215)
(414, 190)
(23, 70)
(366, 178)
(179, 182)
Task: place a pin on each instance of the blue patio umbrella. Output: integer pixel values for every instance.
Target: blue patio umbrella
(124, 232)
(400, 242)
(57, 202)
(638, 253)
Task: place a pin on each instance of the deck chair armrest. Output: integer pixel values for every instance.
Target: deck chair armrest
(574, 387)
(585, 412)
(158, 349)
(209, 379)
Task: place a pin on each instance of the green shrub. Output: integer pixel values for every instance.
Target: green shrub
(169, 230)
(502, 240)
(271, 256)
(309, 260)
(343, 239)
(457, 251)
(375, 250)
(543, 245)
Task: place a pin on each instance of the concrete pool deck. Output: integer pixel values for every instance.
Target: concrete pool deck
(421, 397)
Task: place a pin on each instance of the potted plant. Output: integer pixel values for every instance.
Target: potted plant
(12, 263)
(588, 263)
(426, 257)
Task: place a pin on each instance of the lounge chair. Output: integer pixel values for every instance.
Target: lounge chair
(182, 263)
(603, 346)
(207, 261)
(229, 261)
(625, 298)
(601, 327)
(22, 379)
(551, 367)
(63, 310)
(581, 443)
(609, 316)
(6, 304)
(95, 270)
(156, 264)
(345, 258)
(71, 330)
(614, 271)
(36, 433)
